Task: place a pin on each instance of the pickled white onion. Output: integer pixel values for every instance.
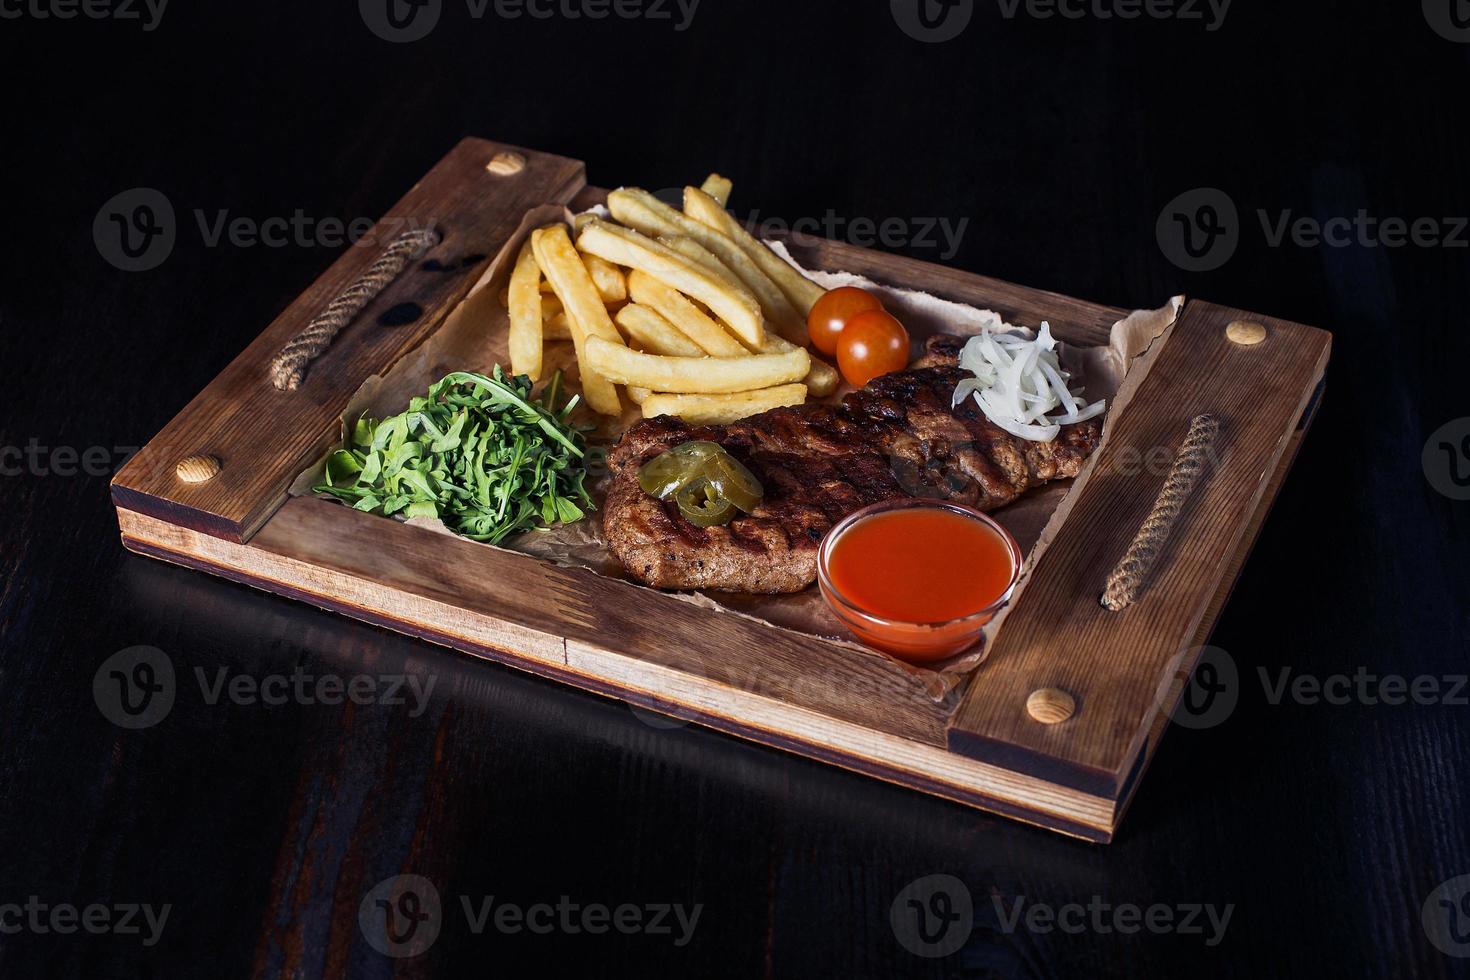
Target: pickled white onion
(1018, 380)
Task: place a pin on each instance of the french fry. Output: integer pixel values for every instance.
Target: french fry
(557, 328)
(626, 247)
(587, 315)
(822, 380)
(608, 279)
(523, 301)
(638, 395)
(718, 188)
(721, 409)
(611, 285)
(708, 336)
(653, 333)
(691, 249)
(695, 375)
(641, 210)
(801, 291)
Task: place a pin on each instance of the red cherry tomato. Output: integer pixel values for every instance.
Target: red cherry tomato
(873, 343)
(833, 311)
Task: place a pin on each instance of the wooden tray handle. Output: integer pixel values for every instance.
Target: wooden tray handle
(1127, 579)
(288, 368)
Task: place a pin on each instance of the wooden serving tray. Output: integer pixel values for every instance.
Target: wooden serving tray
(769, 685)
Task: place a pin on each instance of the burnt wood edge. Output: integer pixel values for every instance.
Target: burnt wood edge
(183, 515)
(1122, 784)
(703, 717)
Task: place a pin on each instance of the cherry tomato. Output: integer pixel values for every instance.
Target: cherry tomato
(873, 343)
(833, 311)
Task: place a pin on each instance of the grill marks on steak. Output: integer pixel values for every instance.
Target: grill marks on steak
(897, 437)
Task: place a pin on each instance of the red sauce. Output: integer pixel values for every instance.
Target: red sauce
(919, 564)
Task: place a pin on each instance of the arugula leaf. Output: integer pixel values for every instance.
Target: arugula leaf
(479, 453)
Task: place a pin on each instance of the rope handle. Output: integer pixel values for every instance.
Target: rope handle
(288, 368)
(1126, 581)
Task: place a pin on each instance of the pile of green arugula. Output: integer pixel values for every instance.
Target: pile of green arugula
(479, 453)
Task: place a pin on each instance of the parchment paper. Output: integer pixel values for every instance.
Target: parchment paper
(474, 338)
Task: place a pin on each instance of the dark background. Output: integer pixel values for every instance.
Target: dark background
(1326, 827)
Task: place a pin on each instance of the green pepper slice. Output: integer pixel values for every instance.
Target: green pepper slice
(734, 482)
(708, 484)
(667, 473)
(702, 505)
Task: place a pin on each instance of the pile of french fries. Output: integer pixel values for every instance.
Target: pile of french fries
(689, 312)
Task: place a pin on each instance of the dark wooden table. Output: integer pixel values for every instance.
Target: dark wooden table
(1325, 828)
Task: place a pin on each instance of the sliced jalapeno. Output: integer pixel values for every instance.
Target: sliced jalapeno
(708, 484)
(702, 505)
(734, 482)
(667, 473)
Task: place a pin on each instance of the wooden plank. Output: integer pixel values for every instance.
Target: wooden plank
(266, 437)
(647, 627)
(1112, 662)
(406, 581)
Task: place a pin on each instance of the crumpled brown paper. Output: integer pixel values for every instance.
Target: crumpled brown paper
(474, 338)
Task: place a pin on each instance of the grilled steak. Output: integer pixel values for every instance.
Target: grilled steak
(818, 463)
